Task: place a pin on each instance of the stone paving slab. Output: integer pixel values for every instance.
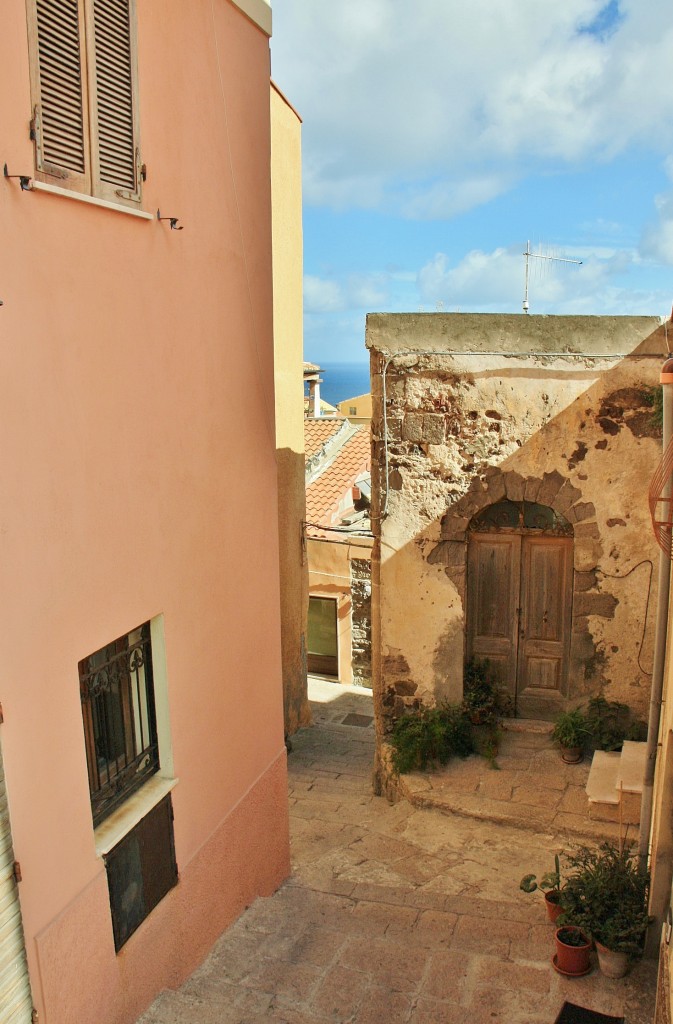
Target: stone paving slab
(393, 914)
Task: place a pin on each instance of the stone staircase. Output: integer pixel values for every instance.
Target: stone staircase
(615, 784)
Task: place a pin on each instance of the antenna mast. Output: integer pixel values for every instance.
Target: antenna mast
(539, 256)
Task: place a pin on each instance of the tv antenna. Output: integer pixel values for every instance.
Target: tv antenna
(540, 256)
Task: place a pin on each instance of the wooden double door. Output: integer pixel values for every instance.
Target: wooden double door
(519, 603)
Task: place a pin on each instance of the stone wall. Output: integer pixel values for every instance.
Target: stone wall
(471, 409)
(361, 640)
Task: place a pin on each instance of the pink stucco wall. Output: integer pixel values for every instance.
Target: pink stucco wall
(139, 479)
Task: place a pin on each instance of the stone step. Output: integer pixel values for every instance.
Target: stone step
(602, 781)
(615, 784)
(527, 725)
(632, 767)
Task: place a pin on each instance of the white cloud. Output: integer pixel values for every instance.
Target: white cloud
(322, 296)
(494, 281)
(394, 94)
(352, 292)
(657, 240)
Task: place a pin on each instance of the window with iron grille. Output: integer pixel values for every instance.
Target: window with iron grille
(120, 730)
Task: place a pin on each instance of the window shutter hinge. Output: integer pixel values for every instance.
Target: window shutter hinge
(36, 133)
(2, 715)
(34, 1017)
(16, 871)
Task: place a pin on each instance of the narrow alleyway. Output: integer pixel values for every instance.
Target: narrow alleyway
(393, 915)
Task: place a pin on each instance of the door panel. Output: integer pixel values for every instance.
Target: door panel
(518, 614)
(546, 565)
(493, 591)
(323, 642)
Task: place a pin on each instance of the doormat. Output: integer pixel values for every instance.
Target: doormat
(572, 1014)
(354, 719)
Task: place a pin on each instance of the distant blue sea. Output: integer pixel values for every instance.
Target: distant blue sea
(343, 380)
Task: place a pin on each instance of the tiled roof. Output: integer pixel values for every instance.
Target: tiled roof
(318, 431)
(329, 495)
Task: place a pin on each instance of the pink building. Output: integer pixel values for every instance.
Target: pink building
(142, 742)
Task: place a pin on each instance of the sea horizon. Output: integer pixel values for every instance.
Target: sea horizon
(343, 380)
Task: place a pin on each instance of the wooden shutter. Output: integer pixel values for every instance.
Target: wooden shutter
(114, 142)
(60, 125)
(16, 1004)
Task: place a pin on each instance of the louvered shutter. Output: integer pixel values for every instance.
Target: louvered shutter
(114, 107)
(16, 1004)
(60, 125)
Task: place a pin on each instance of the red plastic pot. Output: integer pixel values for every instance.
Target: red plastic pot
(554, 908)
(572, 960)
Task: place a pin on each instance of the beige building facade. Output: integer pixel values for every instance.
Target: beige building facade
(288, 358)
(511, 462)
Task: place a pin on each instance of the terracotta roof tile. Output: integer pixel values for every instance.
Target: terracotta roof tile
(329, 497)
(318, 431)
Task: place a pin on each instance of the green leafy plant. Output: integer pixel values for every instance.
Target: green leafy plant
(484, 700)
(430, 735)
(571, 729)
(610, 723)
(571, 936)
(549, 882)
(606, 895)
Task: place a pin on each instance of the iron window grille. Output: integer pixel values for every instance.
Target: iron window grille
(120, 730)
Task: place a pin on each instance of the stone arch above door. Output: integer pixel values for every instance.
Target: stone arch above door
(560, 494)
(552, 489)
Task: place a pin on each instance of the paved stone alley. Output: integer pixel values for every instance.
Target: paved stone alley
(393, 914)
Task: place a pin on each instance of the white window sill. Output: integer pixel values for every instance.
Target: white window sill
(81, 197)
(133, 810)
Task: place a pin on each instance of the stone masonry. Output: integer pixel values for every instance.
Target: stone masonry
(470, 410)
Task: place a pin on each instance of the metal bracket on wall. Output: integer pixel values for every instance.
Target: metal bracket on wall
(173, 221)
(24, 179)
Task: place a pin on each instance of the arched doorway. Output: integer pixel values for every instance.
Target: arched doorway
(519, 601)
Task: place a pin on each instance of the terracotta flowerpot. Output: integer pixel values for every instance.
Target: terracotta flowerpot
(572, 755)
(612, 965)
(572, 960)
(551, 900)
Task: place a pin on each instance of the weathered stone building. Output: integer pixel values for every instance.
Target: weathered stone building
(511, 461)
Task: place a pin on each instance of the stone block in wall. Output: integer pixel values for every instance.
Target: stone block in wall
(551, 485)
(454, 527)
(412, 427)
(514, 486)
(434, 428)
(584, 581)
(587, 554)
(588, 603)
(495, 487)
(566, 497)
(589, 529)
(457, 574)
(581, 511)
(532, 488)
(394, 427)
(438, 554)
(449, 553)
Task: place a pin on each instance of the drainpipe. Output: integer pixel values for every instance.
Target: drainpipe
(666, 381)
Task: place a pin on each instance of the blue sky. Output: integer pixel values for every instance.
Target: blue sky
(439, 137)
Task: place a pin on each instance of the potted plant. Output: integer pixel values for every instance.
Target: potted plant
(571, 732)
(550, 884)
(608, 896)
(572, 951)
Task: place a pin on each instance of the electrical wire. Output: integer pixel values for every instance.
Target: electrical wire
(623, 576)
